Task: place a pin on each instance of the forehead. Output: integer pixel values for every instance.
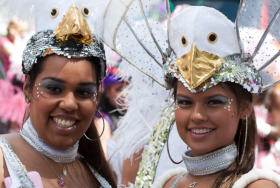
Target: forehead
(71, 70)
(220, 89)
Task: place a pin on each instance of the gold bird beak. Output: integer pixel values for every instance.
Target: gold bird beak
(75, 26)
(196, 67)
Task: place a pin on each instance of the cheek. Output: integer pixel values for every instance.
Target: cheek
(87, 109)
(182, 118)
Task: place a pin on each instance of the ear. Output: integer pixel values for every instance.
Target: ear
(27, 89)
(246, 109)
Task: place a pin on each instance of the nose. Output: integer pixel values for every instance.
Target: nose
(69, 103)
(199, 114)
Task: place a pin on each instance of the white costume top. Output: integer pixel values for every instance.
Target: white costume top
(242, 182)
(19, 175)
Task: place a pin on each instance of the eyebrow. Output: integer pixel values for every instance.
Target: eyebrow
(217, 95)
(182, 95)
(88, 84)
(54, 79)
(208, 97)
(63, 82)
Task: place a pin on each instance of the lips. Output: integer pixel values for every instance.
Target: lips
(64, 123)
(201, 130)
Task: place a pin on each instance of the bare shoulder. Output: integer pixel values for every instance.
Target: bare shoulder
(262, 183)
(2, 167)
(130, 168)
(169, 182)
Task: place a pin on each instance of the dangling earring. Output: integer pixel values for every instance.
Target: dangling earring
(167, 145)
(245, 141)
(26, 99)
(26, 106)
(24, 115)
(103, 121)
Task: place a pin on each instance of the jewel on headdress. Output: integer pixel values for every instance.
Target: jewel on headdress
(48, 52)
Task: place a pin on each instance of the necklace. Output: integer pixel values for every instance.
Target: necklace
(30, 135)
(211, 162)
(60, 179)
(193, 183)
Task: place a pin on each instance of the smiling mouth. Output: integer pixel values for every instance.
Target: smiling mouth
(64, 123)
(201, 131)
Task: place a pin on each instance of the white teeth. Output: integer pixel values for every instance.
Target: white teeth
(64, 123)
(201, 131)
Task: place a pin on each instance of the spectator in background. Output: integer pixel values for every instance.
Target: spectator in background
(7, 43)
(269, 157)
(112, 105)
(11, 96)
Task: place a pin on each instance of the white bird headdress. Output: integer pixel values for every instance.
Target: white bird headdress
(68, 28)
(200, 46)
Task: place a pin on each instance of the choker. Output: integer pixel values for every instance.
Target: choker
(210, 163)
(29, 134)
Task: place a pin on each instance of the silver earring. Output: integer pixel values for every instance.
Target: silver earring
(245, 141)
(24, 114)
(93, 140)
(26, 99)
(167, 145)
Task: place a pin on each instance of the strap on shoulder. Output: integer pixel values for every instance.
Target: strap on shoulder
(14, 165)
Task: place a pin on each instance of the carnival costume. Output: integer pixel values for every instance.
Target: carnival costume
(64, 28)
(201, 48)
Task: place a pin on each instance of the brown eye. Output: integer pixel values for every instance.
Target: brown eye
(85, 11)
(184, 41)
(212, 38)
(54, 12)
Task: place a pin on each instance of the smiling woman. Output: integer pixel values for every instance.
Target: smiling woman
(213, 85)
(58, 144)
(63, 99)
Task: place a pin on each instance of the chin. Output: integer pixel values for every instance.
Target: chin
(62, 145)
(198, 151)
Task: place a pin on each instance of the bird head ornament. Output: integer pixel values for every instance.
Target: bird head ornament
(200, 46)
(70, 28)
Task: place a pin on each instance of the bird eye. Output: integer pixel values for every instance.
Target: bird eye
(184, 41)
(212, 38)
(54, 12)
(85, 11)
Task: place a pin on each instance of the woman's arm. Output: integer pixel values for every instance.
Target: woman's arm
(130, 168)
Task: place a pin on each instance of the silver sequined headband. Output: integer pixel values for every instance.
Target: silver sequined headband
(45, 43)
